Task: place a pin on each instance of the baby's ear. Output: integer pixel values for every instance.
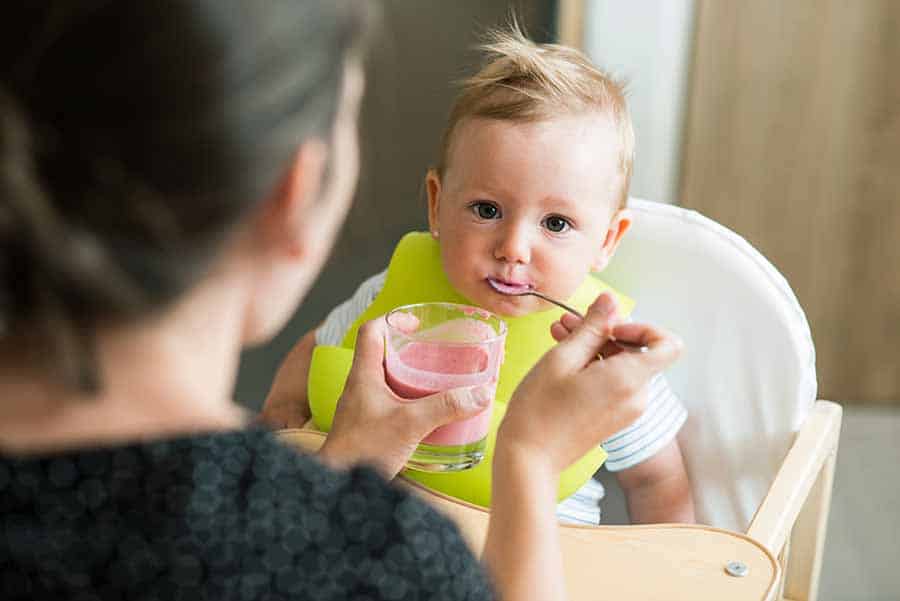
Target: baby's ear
(433, 189)
(618, 226)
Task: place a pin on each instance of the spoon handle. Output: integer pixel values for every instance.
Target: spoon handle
(559, 304)
(633, 347)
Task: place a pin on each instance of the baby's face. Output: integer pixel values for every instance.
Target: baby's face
(527, 205)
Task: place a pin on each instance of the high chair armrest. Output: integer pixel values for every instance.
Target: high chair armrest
(813, 449)
(306, 438)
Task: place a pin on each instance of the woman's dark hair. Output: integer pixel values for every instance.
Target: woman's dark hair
(133, 135)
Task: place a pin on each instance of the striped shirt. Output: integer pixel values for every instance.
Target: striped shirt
(661, 421)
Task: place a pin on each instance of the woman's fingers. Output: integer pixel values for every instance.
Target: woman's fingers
(609, 348)
(639, 333)
(570, 321)
(368, 359)
(592, 399)
(448, 406)
(405, 322)
(649, 336)
(627, 332)
(567, 324)
(663, 348)
(585, 340)
(559, 331)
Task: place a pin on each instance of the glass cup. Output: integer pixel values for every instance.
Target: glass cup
(432, 347)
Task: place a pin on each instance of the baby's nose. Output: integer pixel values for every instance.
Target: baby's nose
(513, 246)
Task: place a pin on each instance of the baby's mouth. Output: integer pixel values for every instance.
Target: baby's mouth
(507, 287)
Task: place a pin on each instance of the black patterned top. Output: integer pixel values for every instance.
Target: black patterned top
(220, 516)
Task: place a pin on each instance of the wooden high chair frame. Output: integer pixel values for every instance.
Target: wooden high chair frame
(778, 558)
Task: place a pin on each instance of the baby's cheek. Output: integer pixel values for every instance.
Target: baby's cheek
(450, 256)
(458, 270)
(566, 280)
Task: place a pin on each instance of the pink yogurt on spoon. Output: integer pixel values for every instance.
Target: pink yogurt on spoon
(445, 357)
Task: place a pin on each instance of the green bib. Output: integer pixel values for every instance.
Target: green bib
(415, 275)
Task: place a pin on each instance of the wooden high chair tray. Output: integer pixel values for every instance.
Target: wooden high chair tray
(666, 562)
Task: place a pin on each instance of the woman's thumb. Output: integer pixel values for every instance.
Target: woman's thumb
(452, 405)
(369, 354)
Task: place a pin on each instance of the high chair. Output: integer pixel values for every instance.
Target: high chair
(759, 448)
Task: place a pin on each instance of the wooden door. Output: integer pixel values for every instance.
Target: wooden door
(793, 141)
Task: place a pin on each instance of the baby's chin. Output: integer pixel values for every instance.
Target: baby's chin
(510, 306)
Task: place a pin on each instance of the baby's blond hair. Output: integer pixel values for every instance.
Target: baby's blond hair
(523, 81)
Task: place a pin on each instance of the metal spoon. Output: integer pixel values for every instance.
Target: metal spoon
(633, 347)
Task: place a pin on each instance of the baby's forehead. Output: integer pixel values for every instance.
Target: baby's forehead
(600, 123)
(500, 152)
(551, 136)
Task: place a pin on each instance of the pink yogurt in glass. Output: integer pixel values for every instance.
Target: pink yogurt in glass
(458, 353)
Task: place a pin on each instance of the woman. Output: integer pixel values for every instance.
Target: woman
(173, 176)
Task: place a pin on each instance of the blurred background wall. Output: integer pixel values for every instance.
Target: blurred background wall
(648, 44)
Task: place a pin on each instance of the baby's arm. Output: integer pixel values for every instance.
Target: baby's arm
(287, 405)
(647, 460)
(657, 489)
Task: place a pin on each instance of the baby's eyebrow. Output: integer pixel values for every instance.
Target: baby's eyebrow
(469, 193)
(561, 201)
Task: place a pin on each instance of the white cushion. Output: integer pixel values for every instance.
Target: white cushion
(748, 373)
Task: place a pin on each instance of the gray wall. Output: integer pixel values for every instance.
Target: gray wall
(648, 43)
(423, 46)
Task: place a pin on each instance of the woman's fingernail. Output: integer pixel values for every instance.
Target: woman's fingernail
(606, 304)
(482, 395)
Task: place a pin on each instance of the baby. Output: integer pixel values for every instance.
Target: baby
(529, 192)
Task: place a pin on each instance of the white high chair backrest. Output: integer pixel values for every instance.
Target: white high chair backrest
(747, 375)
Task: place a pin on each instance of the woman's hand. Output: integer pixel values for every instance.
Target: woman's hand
(373, 425)
(571, 400)
(568, 403)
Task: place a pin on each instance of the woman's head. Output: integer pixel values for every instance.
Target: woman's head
(135, 136)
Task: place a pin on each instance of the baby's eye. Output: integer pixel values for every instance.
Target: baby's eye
(486, 210)
(557, 224)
